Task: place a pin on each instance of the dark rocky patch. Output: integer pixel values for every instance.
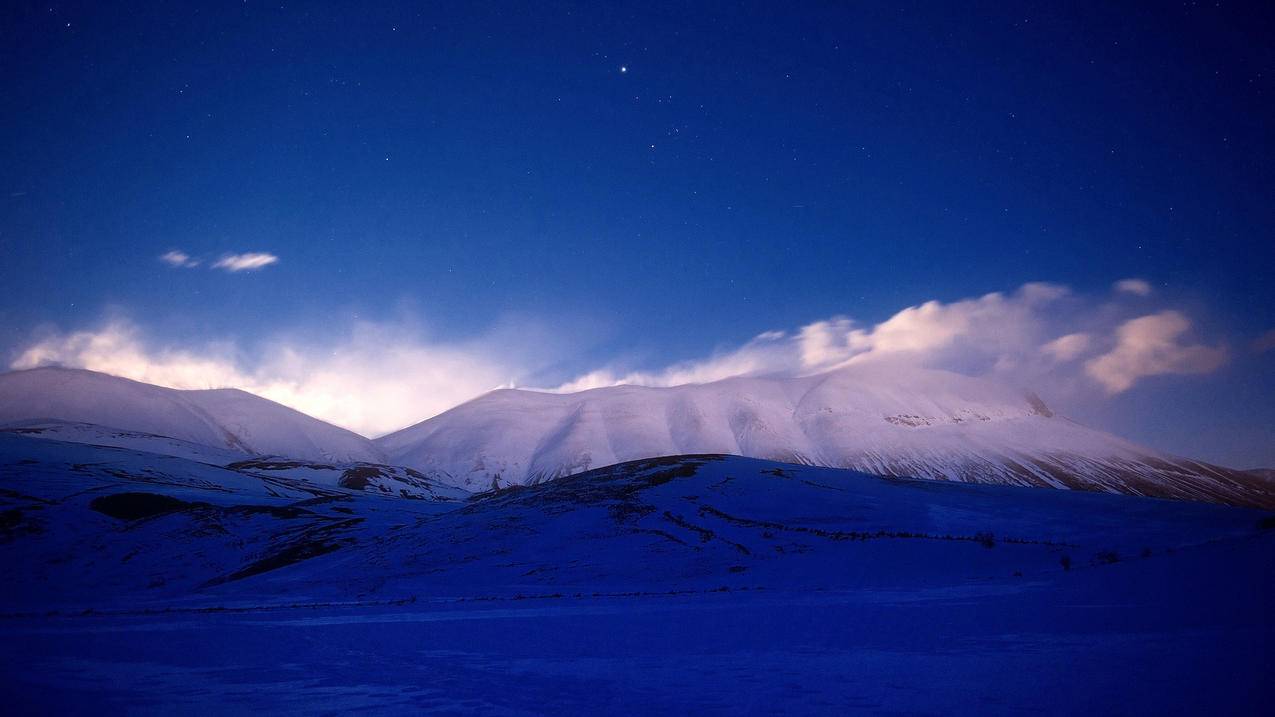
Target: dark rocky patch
(359, 477)
(136, 506)
(266, 464)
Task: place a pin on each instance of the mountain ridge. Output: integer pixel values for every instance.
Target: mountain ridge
(904, 423)
(230, 419)
(917, 423)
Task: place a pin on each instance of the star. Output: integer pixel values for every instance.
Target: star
(623, 69)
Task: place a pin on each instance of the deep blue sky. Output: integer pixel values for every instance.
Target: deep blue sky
(756, 167)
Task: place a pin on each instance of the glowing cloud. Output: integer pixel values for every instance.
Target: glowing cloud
(250, 261)
(1137, 287)
(1150, 346)
(1067, 348)
(375, 379)
(178, 259)
(378, 377)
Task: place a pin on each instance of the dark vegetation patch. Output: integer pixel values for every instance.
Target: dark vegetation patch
(824, 486)
(15, 495)
(290, 555)
(16, 521)
(135, 506)
(319, 500)
(270, 464)
(619, 485)
(359, 477)
(10, 519)
(311, 543)
(286, 512)
(987, 540)
(416, 474)
(705, 535)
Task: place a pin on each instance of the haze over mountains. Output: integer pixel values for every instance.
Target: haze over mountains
(920, 423)
(227, 419)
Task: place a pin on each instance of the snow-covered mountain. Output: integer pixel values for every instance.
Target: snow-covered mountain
(919, 423)
(227, 419)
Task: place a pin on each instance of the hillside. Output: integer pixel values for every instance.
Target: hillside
(227, 419)
(720, 584)
(925, 424)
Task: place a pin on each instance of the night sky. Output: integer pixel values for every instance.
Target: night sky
(634, 187)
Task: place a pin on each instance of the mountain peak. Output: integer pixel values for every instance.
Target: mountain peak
(221, 418)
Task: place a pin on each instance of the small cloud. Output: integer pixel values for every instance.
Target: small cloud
(1265, 342)
(1137, 287)
(178, 259)
(1066, 348)
(1149, 346)
(245, 262)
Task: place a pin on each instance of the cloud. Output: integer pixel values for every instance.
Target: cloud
(1067, 348)
(1137, 287)
(974, 335)
(250, 261)
(1150, 346)
(1042, 336)
(375, 377)
(178, 259)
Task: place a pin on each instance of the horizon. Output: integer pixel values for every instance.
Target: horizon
(382, 213)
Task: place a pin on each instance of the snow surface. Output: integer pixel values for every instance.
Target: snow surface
(706, 584)
(920, 423)
(228, 419)
(928, 424)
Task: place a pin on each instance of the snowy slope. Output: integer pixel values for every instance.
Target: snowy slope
(706, 585)
(926, 424)
(84, 523)
(95, 435)
(226, 419)
(104, 527)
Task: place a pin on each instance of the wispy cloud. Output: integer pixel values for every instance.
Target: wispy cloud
(250, 261)
(1067, 348)
(371, 378)
(178, 259)
(1137, 287)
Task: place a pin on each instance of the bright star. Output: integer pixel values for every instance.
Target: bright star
(623, 69)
